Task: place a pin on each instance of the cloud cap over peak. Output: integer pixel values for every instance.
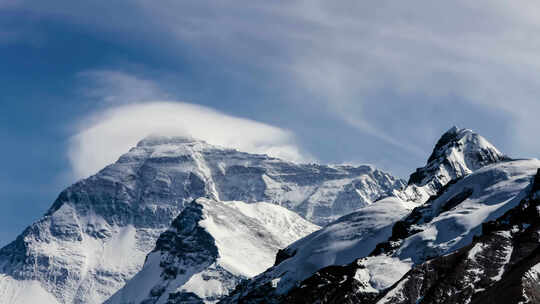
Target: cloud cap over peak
(109, 133)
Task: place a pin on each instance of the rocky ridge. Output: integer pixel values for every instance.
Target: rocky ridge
(457, 153)
(506, 257)
(209, 248)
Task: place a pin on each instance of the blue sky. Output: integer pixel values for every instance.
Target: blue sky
(350, 81)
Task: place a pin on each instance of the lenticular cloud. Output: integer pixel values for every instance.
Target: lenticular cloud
(105, 135)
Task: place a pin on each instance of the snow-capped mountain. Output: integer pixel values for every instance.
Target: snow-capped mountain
(210, 247)
(458, 152)
(98, 232)
(467, 195)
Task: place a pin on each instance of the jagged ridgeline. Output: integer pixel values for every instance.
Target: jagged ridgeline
(98, 232)
(502, 265)
(182, 221)
(211, 247)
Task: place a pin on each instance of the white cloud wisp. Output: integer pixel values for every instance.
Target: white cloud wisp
(109, 133)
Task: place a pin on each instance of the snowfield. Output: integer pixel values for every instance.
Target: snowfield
(341, 242)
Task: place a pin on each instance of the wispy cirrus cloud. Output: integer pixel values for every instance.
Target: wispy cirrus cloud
(356, 81)
(111, 87)
(387, 69)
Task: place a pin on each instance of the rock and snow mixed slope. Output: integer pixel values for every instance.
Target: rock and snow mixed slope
(340, 242)
(319, 193)
(450, 221)
(210, 247)
(458, 153)
(97, 233)
(501, 266)
(443, 225)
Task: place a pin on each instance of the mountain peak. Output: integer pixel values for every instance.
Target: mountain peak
(158, 140)
(453, 135)
(457, 153)
(453, 129)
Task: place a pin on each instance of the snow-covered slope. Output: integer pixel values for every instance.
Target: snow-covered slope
(501, 266)
(450, 221)
(23, 292)
(209, 248)
(340, 242)
(444, 224)
(97, 233)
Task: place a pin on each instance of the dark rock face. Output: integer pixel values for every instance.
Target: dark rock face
(518, 285)
(282, 255)
(322, 288)
(186, 240)
(454, 278)
(263, 294)
(536, 182)
(184, 298)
